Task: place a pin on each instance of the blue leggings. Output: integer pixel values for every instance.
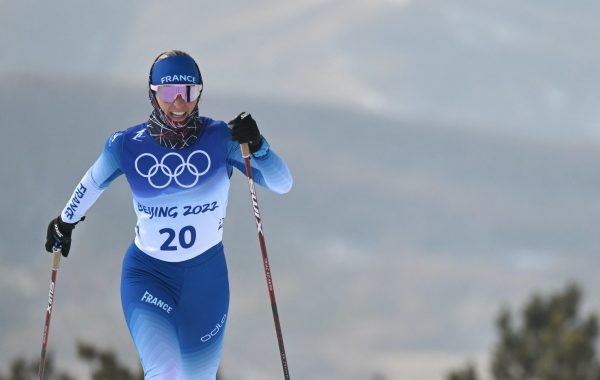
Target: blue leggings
(176, 313)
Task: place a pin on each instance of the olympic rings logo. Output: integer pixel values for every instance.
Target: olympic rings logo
(159, 171)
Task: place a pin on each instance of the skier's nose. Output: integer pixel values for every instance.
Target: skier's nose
(179, 101)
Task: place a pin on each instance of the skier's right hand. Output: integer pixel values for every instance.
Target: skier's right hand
(59, 235)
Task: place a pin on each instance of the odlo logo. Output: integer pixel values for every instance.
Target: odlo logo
(218, 327)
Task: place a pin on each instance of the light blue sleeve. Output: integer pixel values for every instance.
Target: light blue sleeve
(108, 166)
(268, 169)
(95, 181)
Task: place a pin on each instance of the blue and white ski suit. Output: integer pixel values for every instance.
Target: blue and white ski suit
(174, 284)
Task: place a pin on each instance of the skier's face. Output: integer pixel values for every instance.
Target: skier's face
(177, 110)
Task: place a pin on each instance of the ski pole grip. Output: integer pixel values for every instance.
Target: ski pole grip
(55, 259)
(245, 150)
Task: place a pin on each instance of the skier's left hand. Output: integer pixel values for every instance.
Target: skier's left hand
(245, 130)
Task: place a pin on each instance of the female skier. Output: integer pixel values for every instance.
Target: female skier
(174, 284)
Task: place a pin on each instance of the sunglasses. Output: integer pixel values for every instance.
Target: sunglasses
(168, 93)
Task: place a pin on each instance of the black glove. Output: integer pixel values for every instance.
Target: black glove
(59, 233)
(245, 130)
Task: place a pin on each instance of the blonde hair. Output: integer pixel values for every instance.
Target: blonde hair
(171, 53)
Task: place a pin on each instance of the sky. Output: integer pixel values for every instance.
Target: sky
(444, 156)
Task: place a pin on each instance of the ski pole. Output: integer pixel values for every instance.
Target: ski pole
(54, 266)
(263, 248)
